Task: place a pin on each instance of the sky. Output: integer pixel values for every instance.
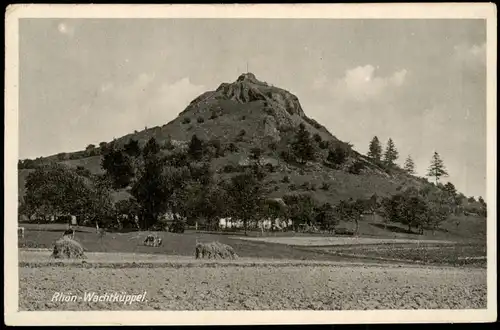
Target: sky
(420, 82)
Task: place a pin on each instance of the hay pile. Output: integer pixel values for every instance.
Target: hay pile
(67, 248)
(214, 250)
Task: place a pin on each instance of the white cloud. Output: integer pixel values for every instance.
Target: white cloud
(362, 83)
(470, 56)
(178, 95)
(66, 29)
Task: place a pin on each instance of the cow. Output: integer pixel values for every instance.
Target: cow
(70, 232)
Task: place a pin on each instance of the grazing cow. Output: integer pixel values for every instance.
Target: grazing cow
(153, 240)
(20, 230)
(69, 232)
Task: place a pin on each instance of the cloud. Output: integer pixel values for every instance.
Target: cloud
(362, 83)
(470, 57)
(66, 29)
(179, 94)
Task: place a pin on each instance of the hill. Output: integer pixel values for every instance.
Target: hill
(249, 113)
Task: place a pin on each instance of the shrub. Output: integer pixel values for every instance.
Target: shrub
(337, 156)
(243, 117)
(276, 188)
(269, 167)
(324, 144)
(325, 186)
(292, 187)
(285, 179)
(312, 187)
(312, 122)
(242, 133)
(232, 147)
(356, 168)
(177, 226)
(186, 120)
(213, 115)
(67, 248)
(317, 138)
(200, 120)
(273, 146)
(229, 168)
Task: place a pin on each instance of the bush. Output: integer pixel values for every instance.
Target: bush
(232, 147)
(240, 136)
(186, 120)
(213, 115)
(178, 227)
(292, 187)
(243, 117)
(324, 144)
(200, 120)
(337, 156)
(325, 186)
(67, 248)
(317, 138)
(229, 168)
(312, 122)
(285, 179)
(269, 167)
(273, 146)
(356, 168)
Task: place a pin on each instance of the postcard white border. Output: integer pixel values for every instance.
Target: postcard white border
(339, 11)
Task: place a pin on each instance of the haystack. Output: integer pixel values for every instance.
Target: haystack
(68, 248)
(214, 250)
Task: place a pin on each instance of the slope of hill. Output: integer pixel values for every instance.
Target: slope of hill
(249, 113)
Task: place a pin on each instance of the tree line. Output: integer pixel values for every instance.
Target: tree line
(436, 169)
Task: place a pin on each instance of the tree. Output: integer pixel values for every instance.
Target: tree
(301, 208)
(130, 208)
(118, 167)
(326, 217)
(195, 149)
(409, 166)
(450, 189)
(151, 191)
(151, 148)
(391, 154)
(302, 146)
(337, 156)
(154, 186)
(132, 148)
(375, 149)
(244, 197)
(437, 168)
(55, 189)
(350, 210)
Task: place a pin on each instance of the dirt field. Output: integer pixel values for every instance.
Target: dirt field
(259, 287)
(322, 241)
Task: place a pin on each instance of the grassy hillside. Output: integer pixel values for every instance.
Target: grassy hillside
(249, 113)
